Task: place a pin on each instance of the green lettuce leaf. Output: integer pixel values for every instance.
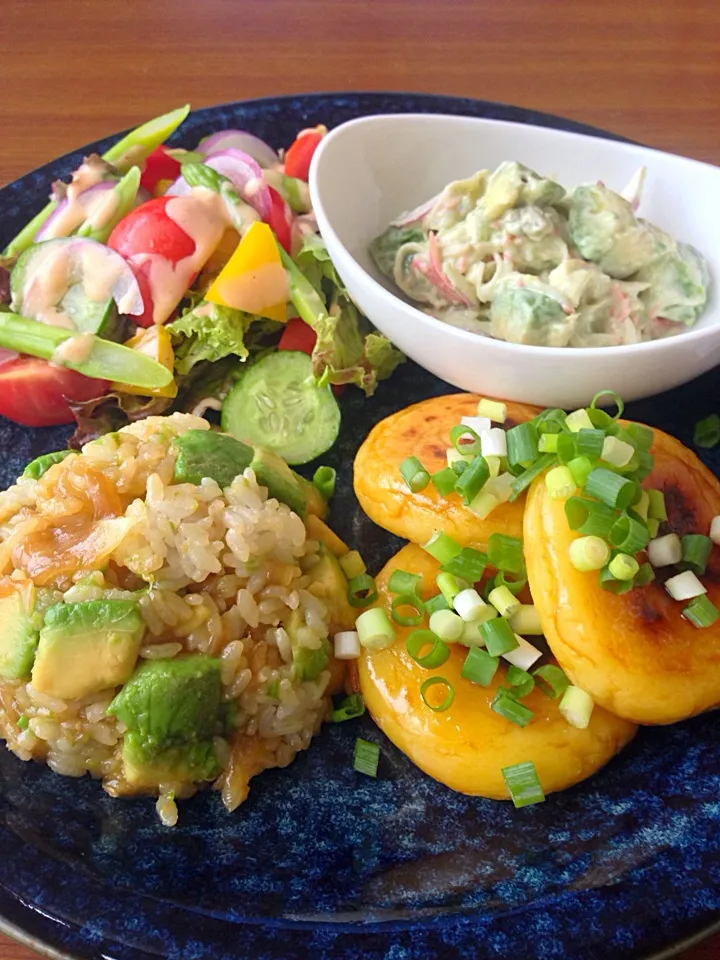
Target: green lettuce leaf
(209, 332)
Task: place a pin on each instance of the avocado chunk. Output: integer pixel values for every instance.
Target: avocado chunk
(205, 453)
(86, 647)
(168, 702)
(146, 769)
(328, 572)
(18, 640)
(272, 472)
(40, 465)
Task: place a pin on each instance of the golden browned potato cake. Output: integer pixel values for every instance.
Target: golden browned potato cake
(466, 746)
(423, 430)
(634, 654)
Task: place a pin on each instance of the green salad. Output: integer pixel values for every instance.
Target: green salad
(516, 256)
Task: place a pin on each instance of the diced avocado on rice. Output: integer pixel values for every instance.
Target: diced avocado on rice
(166, 615)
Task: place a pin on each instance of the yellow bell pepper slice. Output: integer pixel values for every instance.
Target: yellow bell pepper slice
(154, 342)
(254, 279)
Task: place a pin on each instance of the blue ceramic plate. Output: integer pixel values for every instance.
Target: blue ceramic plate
(324, 862)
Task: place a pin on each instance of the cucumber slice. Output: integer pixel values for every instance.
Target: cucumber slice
(90, 316)
(278, 405)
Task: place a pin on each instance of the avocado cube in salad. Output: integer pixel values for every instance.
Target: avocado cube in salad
(144, 768)
(18, 639)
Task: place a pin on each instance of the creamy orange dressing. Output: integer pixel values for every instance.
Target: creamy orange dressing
(265, 286)
(99, 274)
(203, 216)
(75, 350)
(48, 286)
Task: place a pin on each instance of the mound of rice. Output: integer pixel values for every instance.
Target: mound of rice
(222, 570)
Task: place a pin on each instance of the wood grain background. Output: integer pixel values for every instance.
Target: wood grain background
(76, 70)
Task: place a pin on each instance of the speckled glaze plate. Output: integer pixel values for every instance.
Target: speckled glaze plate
(322, 861)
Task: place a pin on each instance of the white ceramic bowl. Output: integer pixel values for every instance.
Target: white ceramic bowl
(368, 171)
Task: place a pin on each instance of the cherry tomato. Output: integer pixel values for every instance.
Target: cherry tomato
(159, 166)
(280, 219)
(148, 229)
(300, 153)
(298, 335)
(36, 394)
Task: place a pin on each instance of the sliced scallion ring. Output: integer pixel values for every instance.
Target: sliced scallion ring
(413, 602)
(449, 696)
(418, 640)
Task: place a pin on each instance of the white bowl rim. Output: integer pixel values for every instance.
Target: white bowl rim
(468, 336)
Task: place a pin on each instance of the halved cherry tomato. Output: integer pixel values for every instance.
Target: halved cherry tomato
(148, 229)
(300, 153)
(36, 394)
(298, 335)
(159, 166)
(280, 219)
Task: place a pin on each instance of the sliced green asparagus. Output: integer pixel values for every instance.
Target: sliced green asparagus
(95, 357)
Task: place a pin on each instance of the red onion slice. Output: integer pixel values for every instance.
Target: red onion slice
(223, 140)
(82, 204)
(244, 173)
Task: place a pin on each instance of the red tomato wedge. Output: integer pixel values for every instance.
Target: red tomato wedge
(298, 335)
(159, 166)
(36, 394)
(300, 153)
(280, 219)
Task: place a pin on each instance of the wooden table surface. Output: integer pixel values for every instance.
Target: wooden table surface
(76, 70)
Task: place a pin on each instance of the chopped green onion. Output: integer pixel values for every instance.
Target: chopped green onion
(616, 399)
(374, 629)
(701, 611)
(611, 584)
(589, 553)
(656, 508)
(23, 721)
(577, 707)
(469, 564)
(639, 467)
(493, 410)
(653, 527)
(566, 448)
(520, 681)
(478, 424)
(644, 576)
(523, 481)
(438, 602)
(483, 504)
(560, 483)
(504, 601)
(514, 586)
(469, 605)
(471, 481)
(352, 564)
(403, 582)
(707, 432)
(629, 535)
(696, 550)
(366, 757)
(494, 464)
(642, 506)
(684, 586)
(610, 488)
(524, 655)
(419, 640)
(580, 468)
(362, 591)
(500, 487)
(494, 443)
(442, 547)
(526, 621)
(348, 709)
(616, 452)
(665, 551)
(506, 553)
(551, 680)
(453, 457)
(523, 784)
(602, 420)
(447, 625)
(589, 517)
(324, 481)
(458, 438)
(522, 443)
(450, 586)
(590, 443)
(444, 481)
(579, 420)
(459, 467)
(413, 601)
(498, 636)
(548, 443)
(414, 474)
(640, 436)
(449, 696)
(509, 708)
(623, 566)
(550, 421)
(479, 667)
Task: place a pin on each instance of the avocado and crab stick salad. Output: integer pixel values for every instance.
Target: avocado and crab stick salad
(514, 255)
(167, 279)
(175, 611)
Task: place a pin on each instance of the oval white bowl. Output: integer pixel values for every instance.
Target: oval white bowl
(368, 171)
